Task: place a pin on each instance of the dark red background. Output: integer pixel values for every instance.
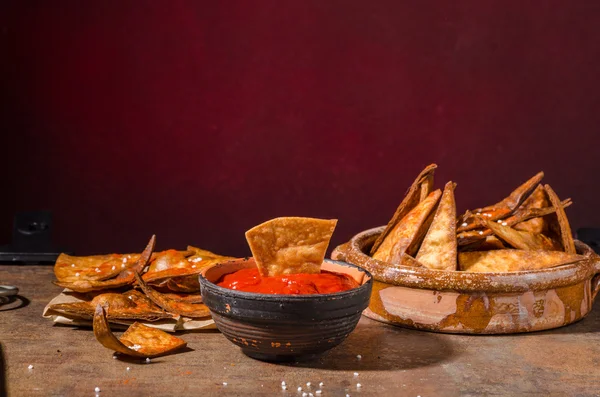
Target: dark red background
(197, 120)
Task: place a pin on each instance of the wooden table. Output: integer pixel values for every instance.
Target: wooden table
(395, 362)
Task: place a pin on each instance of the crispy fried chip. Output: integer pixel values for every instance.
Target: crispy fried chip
(178, 307)
(563, 222)
(439, 248)
(130, 305)
(538, 199)
(138, 341)
(96, 267)
(408, 233)
(471, 236)
(502, 209)
(290, 245)
(522, 240)
(510, 260)
(416, 193)
(125, 277)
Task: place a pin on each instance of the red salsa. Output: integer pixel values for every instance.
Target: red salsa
(249, 280)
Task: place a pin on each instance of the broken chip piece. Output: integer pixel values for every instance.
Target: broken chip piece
(521, 239)
(563, 222)
(174, 306)
(290, 245)
(139, 340)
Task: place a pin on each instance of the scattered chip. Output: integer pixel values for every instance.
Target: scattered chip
(96, 267)
(418, 191)
(409, 232)
(178, 307)
(290, 245)
(511, 260)
(124, 278)
(139, 340)
(439, 247)
(130, 305)
(538, 199)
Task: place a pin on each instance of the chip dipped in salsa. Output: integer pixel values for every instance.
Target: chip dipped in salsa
(325, 282)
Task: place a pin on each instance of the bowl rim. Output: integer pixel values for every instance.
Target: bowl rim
(425, 278)
(364, 287)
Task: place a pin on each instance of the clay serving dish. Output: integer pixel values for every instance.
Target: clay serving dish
(284, 327)
(476, 303)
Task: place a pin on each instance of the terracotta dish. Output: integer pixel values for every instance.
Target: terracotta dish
(284, 327)
(475, 303)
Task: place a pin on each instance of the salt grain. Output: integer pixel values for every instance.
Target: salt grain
(97, 389)
(224, 383)
(304, 394)
(356, 374)
(128, 368)
(72, 265)
(480, 232)
(307, 384)
(76, 274)
(30, 366)
(284, 387)
(358, 385)
(113, 268)
(318, 392)
(148, 359)
(358, 356)
(299, 388)
(504, 223)
(464, 224)
(283, 383)
(321, 384)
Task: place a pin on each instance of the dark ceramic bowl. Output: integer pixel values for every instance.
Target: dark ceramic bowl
(284, 327)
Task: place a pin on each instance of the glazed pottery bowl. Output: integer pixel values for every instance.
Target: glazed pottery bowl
(475, 303)
(284, 327)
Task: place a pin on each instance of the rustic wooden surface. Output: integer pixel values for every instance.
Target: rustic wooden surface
(395, 361)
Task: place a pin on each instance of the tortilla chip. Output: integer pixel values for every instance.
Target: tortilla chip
(413, 196)
(290, 245)
(509, 260)
(138, 341)
(96, 267)
(169, 259)
(563, 222)
(538, 199)
(521, 239)
(178, 307)
(469, 237)
(409, 232)
(130, 305)
(502, 209)
(124, 278)
(439, 248)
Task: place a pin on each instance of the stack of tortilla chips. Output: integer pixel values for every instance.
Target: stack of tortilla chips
(527, 230)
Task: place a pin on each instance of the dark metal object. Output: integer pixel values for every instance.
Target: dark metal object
(31, 239)
(590, 236)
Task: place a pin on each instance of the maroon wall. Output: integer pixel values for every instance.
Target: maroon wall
(197, 120)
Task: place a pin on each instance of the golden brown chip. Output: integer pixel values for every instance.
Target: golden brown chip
(414, 195)
(439, 248)
(408, 233)
(290, 245)
(130, 305)
(96, 267)
(521, 239)
(178, 307)
(538, 199)
(563, 222)
(502, 209)
(471, 236)
(124, 278)
(509, 260)
(139, 340)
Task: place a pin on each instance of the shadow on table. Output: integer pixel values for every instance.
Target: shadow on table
(384, 348)
(3, 391)
(13, 303)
